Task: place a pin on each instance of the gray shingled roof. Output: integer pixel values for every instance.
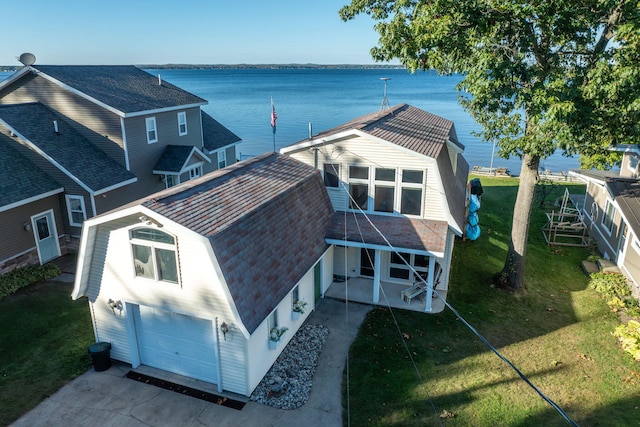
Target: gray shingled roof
(627, 195)
(126, 88)
(404, 125)
(266, 220)
(215, 135)
(401, 232)
(70, 149)
(20, 179)
(173, 158)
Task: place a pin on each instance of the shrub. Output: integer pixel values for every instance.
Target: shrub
(629, 337)
(25, 276)
(609, 284)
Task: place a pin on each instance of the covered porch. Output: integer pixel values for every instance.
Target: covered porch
(360, 289)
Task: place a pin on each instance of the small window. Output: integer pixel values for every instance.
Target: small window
(273, 320)
(154, 255)
(358, 172)
(152, 133)
(609, 213)
(222, 159)
(195, 172)
(295, 297)
(171, 180)
(385, 175)
(182, 123)
(331, 175)
(412, 177)
(633, 163)
(76, 210)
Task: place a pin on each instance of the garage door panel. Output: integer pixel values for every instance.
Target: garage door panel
(176, 343)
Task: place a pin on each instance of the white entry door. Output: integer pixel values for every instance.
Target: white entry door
(176, 343)
(44, 230)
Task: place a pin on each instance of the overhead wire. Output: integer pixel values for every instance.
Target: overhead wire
(430, 288)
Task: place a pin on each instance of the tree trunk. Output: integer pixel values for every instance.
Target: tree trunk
(512, 274)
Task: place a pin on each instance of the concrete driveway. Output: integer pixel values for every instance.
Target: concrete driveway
(110, 399)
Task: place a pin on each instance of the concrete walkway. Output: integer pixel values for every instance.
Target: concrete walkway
(110, 399)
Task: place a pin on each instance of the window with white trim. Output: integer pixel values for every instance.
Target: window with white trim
(222, 159)
(76, 210)
(182, 123)
(399, 269)
(195, 172)
(170, 180)
(152, 132)
(154, 255)
(272, 321)
(390, 190)
(384, 190)
(331, 175)
(359, 187)
(295, 297)
(609, 213)
(411, 184)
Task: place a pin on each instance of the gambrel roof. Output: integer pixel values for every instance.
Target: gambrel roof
(125, 89)
(407, 126)
(67, 150)
(21, 181)
(418, 131)
(266, 219)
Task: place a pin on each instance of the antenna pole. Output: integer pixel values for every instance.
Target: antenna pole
(385, 101)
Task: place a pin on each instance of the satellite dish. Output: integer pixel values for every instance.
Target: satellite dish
(27, 58)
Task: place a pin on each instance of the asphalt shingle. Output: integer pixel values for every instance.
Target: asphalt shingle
(266, 220)
(126, 88)
(68, 148)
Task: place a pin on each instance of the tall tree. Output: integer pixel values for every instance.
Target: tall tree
(538, 76)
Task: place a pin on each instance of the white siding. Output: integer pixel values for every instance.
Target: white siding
(351, 268)
(200, 294)
(260, 356)
(366, 152)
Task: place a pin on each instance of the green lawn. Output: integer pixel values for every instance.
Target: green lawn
(44, 340)
(558, 333)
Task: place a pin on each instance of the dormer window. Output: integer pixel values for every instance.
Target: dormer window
(182, 123)
(152, 132)
(154, 255)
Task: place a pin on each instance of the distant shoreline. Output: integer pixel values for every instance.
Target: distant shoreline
(11, 68)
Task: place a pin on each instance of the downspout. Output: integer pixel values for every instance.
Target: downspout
(432, 269)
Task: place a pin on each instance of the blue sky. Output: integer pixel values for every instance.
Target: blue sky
(184, 31)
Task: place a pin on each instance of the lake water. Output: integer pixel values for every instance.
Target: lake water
(240, 99)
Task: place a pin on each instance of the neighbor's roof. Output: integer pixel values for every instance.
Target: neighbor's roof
(400, 232)
(266, 220)
(215, 135)
(627, 195)
(20, 179)
(597, 175)
(404, 125)
(175, 158)
(125, 88)
(69, 149)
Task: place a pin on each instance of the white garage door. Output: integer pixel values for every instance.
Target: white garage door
(176, 343)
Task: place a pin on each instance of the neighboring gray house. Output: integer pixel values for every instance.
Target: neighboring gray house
(105, 135)
(612, 212)
(397, 180)
(194, 279)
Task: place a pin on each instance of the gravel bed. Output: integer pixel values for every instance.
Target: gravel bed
(288, 383)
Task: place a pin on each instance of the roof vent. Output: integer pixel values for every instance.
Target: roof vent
(55, 127)
(27, 58)
(159, 80)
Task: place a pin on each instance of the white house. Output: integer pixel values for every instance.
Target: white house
(397, 181)
(194, 279)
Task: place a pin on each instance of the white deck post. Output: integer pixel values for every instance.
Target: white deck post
(432, 269)
(376, 276)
